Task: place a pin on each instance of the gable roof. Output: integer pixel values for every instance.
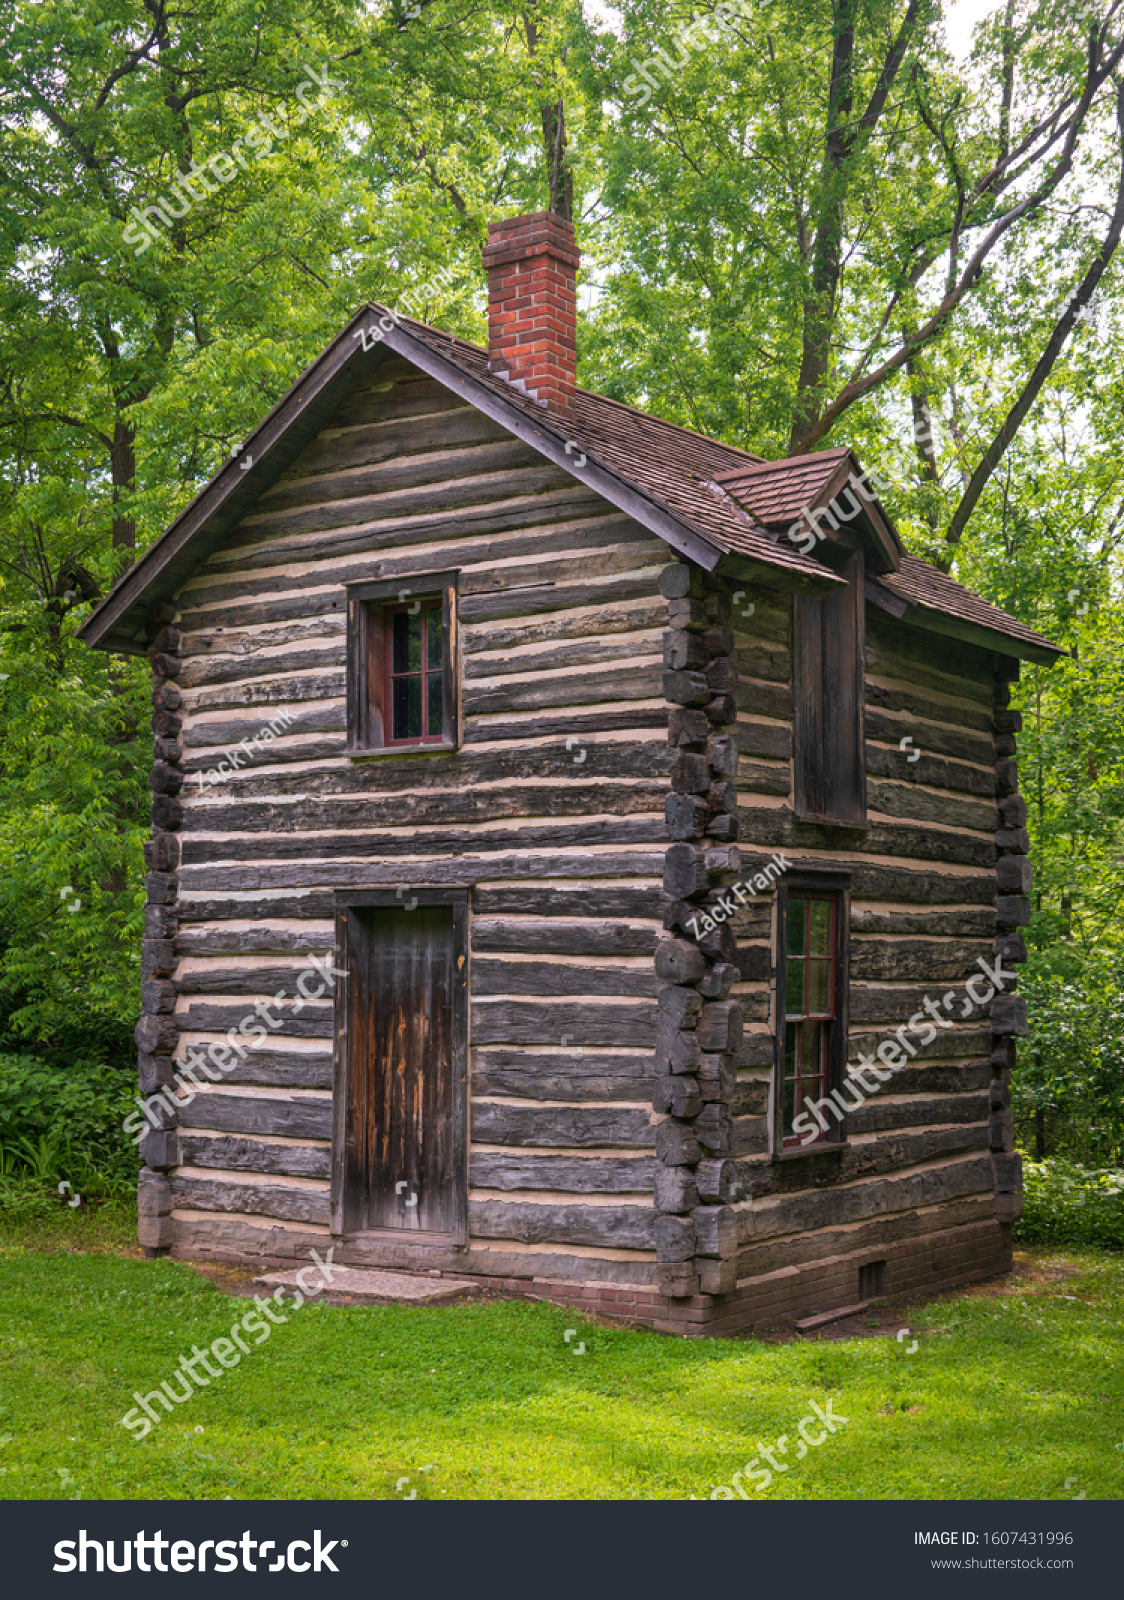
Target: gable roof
(716, 504)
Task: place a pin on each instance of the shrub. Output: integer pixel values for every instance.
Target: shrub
(63, 1124)
(1068, 1090)
(1066, 1203)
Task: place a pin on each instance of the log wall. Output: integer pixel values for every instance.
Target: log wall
(552, 810)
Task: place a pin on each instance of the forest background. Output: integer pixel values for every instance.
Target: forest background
(807, 223)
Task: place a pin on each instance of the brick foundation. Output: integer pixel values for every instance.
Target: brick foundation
(772, 1301)
(777, 1300)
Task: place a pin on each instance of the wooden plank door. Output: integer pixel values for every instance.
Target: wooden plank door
(403, 1135)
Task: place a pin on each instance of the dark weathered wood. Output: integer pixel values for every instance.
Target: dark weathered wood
(523, 1022)
(257, 1199)
(585, 1078)
(951, 1178)
(227, 877)
(674, 1189)
(261, 1114)
(717, 1179)
(448, 841)
(565, 1174)
(495, 977)
(553, 936)
(255, 1155)
(218, 1016)
(572, 1127)
(929, 960)
(675, 1237)
(778, 830)
(677, 1094)
(717, 1230)
(619, 1227)
(676, 1145)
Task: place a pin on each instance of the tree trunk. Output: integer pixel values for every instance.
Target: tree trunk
(123, 462)
(827, 249)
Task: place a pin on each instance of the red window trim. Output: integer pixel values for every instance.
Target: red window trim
(830, 1016)
(429, 606)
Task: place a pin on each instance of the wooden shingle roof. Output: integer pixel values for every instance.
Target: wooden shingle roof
(710, 501)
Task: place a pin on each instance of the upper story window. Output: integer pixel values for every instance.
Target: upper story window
(402, 689)
(829, 746)
(415, 672)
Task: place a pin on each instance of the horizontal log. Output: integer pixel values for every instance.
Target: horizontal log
(258, 940)
(491, 976)
(930, 960)
(256, 1199)
(217, 1016)
(776, 829)
(230, 978)
(617, 1227)
(230, 876)
(930, 735)
(552, 936)
(235, 1113)
(949, 1179)
(917, 804)
(639, 682)
(586, 1078)
(563, 1174)
(570, 1127)
(522, 1022)
(969, 922)
(446, 841)
(282, 1069)
(255, 1155)
(768, 740)
(887, 1110)
(873, 1234)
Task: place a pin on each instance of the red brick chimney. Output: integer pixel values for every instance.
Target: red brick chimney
(532, 265)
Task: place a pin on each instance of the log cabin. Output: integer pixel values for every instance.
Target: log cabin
(635, 802)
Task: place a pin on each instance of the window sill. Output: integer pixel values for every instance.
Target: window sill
(821, 1148)
(386, 752)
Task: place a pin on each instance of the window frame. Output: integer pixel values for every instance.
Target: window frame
(369, 712)
(817, 885)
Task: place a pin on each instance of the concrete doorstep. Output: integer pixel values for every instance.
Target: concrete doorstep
(372, 1286)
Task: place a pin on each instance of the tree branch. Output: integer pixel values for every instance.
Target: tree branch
(1033, 386)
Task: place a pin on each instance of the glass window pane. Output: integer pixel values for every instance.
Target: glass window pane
(821, 928)
(789, 1104)
(433, 639)
(433, 695)
(797, 913)
(811, 1052)
(407, 707)
(819, 988)
(790, 1051)
(794, 988)
(406, 655)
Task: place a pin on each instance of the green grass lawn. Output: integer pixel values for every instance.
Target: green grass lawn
(1012, 1391)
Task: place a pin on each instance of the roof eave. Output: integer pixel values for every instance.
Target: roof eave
(934, 621)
